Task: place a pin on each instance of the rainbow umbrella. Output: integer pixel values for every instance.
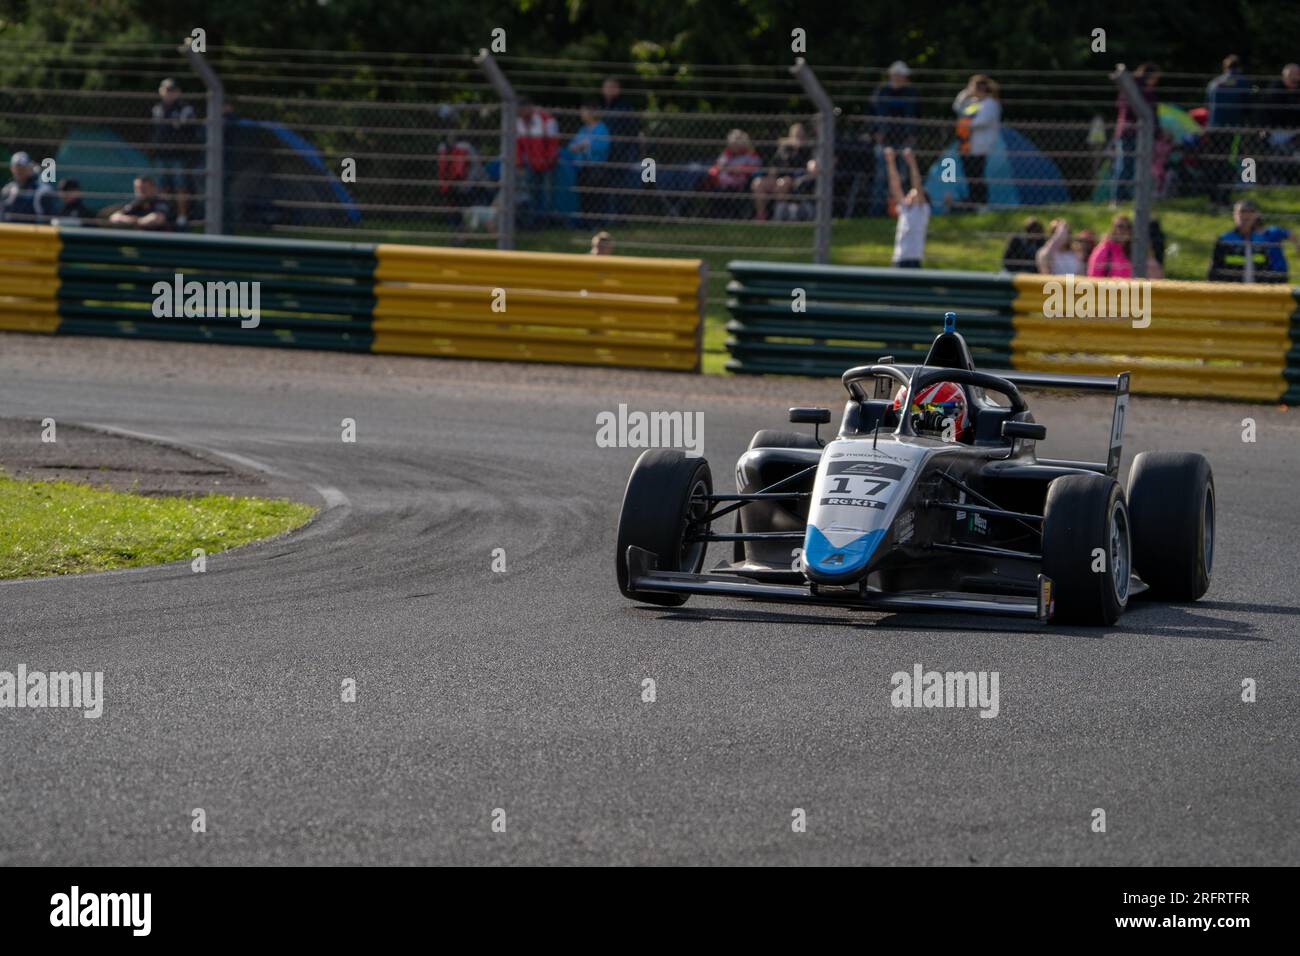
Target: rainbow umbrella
(1177, 122)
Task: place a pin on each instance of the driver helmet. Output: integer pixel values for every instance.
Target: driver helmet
(934, 405)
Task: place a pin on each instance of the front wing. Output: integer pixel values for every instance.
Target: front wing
(644, 575)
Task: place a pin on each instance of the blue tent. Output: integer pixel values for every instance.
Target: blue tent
(1018, 174)
(102, 163)
(105, 165)
(303, 177)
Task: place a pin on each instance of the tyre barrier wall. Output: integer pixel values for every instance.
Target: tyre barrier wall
(603, 310)
(850, 315)
(1203, 339)
(539, 306)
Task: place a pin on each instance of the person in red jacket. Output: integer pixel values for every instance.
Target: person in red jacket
(537, 149)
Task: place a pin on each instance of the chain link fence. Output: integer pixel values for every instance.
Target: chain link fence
(667, 159)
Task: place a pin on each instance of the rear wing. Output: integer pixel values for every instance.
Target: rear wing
(1093, 383)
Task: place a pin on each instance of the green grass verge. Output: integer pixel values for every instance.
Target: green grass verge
(57, 527)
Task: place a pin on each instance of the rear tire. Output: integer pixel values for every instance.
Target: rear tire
(1084, 513)
(664, 494)
(775, 438)
(1172, 498)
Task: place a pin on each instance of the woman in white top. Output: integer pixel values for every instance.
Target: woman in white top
(1058, 256)
(979, 123)
(913, 211)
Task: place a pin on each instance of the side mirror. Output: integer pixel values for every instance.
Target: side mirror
(810, 416)
(1031, 430)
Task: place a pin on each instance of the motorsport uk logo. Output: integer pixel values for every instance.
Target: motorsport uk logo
(83, 690)
(76, 909)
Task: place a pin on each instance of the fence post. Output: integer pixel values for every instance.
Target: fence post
(509, 103)
(214, 154)
(825, 158)
(1142, 167)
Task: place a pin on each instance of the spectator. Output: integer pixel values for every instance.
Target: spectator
(26, 197)
(1281, 100)
(74, 207)
(1023, 246)
(1113, 257)
(896, 105)
(1282, 109)
(1228, 99)
(1059, 255)
(175, 134)
(979, 124)
(1248, 252)
(735, 166)
(602, 244)
(791, 172)
(590, 151)
(1084, 241)
(913, 211)
(462, 180)
(1146, 76)
(1228, 95)
(146, 211)
(624, 132)
(538, 150)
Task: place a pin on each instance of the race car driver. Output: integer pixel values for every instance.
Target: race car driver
(939, 411)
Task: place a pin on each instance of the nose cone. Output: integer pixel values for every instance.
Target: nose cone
(830, 563)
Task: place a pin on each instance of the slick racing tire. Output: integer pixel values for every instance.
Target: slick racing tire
(666, 494)
(1171, 495)
(775, 438)
(1085, 513)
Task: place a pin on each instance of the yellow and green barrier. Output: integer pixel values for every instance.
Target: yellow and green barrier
(538, 306)
(1205, 339)
(29, 279)
(604, 310)
(1213, 340)
(801, 319)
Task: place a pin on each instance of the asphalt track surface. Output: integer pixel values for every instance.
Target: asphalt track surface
(522, 691)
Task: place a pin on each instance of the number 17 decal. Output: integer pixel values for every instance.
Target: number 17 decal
(840, 486)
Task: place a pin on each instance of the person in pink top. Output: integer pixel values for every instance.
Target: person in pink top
(732, 172)
(1112, 257)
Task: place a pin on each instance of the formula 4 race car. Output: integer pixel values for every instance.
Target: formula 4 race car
(932, 500)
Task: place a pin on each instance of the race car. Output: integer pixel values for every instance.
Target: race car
(930, 498)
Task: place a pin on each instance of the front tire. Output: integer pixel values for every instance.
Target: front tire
(1084, 513)
(1172, 498)
(666, 493)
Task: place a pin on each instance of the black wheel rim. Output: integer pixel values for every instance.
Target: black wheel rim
(1207, 529)
(691, 555)
(1120, 548)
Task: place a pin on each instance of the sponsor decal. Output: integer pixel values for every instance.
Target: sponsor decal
(854, 502)
(870, 469)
